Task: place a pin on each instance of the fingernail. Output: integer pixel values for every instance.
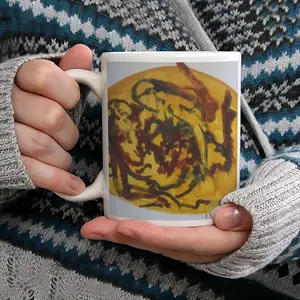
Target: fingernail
(229, 218)
(77, 184)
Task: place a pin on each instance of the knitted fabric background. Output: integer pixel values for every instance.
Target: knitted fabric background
(44, 230)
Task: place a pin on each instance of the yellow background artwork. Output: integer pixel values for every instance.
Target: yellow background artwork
(168, 151)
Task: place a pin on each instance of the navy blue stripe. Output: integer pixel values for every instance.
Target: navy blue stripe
(17, 21)
(290, 115)
(295, 253)
(271, 52)
(268, 78)
(247, 156)
(91, 15)
(288, 139)
(37, 48)
(244, 175)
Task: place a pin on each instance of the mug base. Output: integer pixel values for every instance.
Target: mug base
(187, 223)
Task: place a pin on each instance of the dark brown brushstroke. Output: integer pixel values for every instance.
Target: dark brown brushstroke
(204, 101)
(174, 138)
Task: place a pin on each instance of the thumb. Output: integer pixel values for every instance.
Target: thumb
(233, 217)
(77, 57)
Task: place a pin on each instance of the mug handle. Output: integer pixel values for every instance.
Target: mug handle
(94, 81)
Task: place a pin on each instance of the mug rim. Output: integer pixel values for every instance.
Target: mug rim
(171, 56)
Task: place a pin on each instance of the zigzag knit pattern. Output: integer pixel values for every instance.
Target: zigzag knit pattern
(41, 223)
(267, 33)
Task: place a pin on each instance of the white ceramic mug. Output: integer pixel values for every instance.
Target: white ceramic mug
(170, 134)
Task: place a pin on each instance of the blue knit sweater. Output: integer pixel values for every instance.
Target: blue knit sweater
(39, 231)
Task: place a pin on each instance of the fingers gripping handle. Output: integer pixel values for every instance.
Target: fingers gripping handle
(94, 191)
(91, 79)
(94, 81)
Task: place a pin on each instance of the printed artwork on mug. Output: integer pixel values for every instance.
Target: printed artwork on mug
(173, 136)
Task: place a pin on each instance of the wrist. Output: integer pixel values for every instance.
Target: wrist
(272, 197)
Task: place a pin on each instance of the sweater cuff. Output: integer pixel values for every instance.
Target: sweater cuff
(13, 175)
(272, 197)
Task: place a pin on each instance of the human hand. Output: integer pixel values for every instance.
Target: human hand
(193, 245)
(45, 132)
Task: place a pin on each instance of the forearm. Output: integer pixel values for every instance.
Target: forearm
(292, 252)
(272, 197)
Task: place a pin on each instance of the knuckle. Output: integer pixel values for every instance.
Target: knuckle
(40, 144)
(72, 139)
(30, 167)
(55, 117)
(67, 162)
(26, 162)
(44, 71)
(76, 95)
(56, 182)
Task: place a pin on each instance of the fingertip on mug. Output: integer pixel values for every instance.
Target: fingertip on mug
(83, 48)
(98, 228)
(232, 217)
(85, 233)
(86, 230)
(77, 57)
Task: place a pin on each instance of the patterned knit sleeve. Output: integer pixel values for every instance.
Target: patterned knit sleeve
(272, 197)
(13, 177)
(292, 252)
